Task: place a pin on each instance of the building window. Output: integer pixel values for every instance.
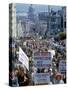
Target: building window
(53, 26)
(53, 19)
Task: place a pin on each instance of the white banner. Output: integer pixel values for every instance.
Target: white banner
(23, 58)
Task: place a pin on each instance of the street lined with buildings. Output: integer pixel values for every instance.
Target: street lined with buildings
(37, 46)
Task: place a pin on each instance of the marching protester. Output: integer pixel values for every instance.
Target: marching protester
(34, 70)
(58, 78)
(23, 79)
(14, 79)
(64, 78)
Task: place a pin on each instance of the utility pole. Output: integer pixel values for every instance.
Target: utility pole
(49, 19)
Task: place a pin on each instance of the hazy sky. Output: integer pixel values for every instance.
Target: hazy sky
(23, 8)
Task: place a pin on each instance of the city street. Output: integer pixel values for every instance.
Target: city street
(37, 45)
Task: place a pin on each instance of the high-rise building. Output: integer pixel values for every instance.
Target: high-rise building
(43, 16)
(20, 29)
(64, 18)
(62, 13)
(55, 23)
(12, 20)
(29, 28)
(31, 15)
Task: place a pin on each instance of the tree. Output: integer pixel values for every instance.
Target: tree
(62, 35)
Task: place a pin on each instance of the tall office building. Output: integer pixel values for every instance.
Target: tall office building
(31, 15)
(19, 29)
(64, 18)
(12, 20)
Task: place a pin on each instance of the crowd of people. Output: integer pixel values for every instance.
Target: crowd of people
(55, 76)
(18, 77)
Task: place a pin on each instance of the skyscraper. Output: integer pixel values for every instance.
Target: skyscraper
(31, 13)
(12, 20)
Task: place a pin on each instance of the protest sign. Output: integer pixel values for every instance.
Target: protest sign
(62, 66)
(23, 58)
(41, 78)
(42, 59)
